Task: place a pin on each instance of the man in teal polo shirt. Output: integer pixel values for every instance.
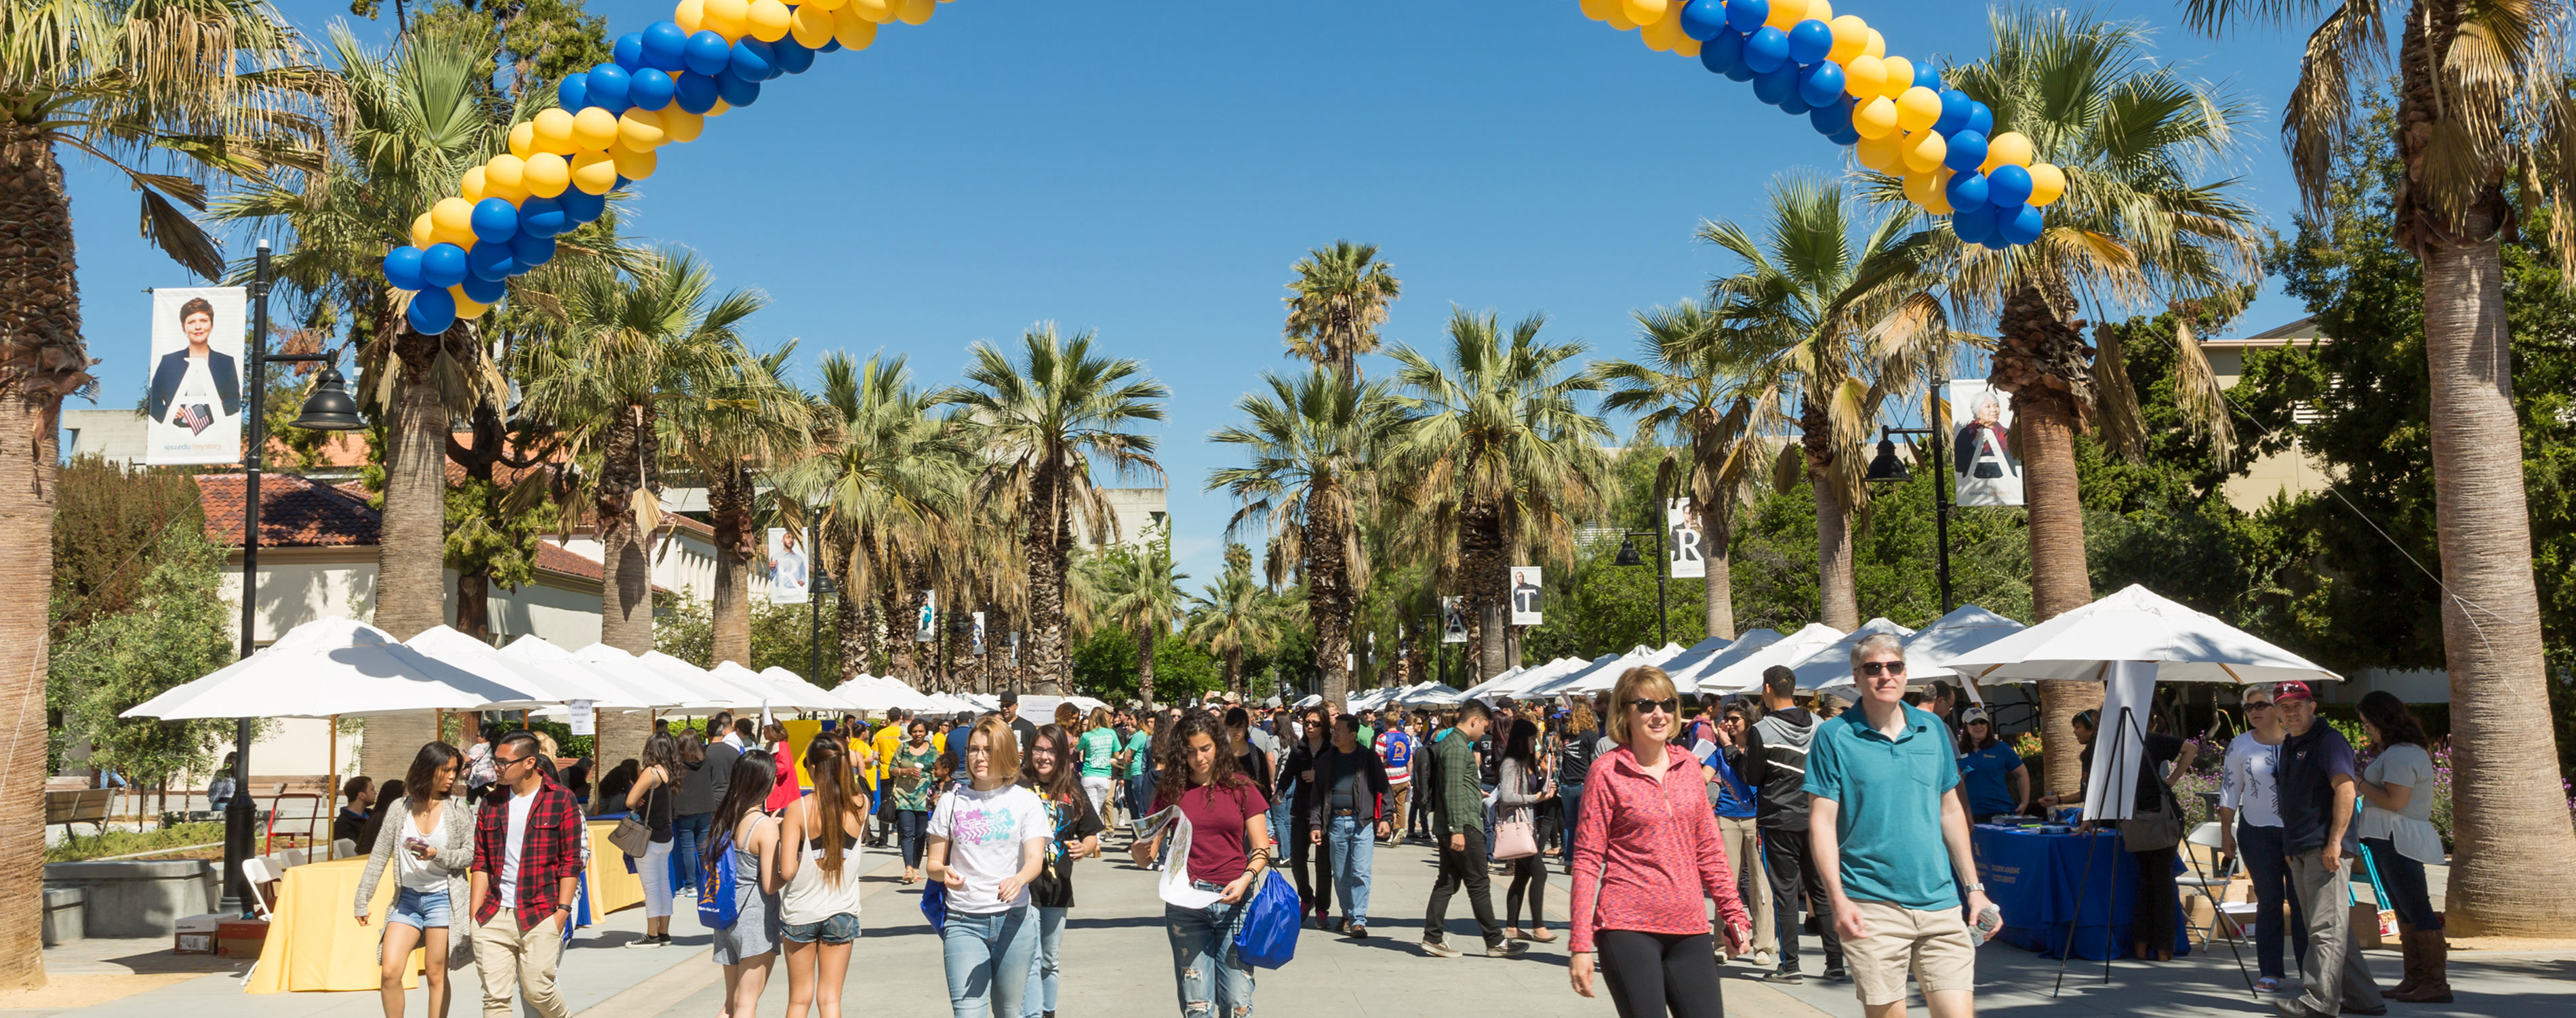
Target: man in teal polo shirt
(1881, 780)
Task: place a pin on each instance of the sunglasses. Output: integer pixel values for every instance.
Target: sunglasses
(1870, 668)
(2258, 705)
(1668, 705)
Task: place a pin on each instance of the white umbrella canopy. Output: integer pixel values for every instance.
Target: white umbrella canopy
(331, 667)
(1484, 689)
(1565, 678)
(773, 692)
(713, 690)
(1831, 664)
(1929, 651)
(551, 683)
(2136, 624)
(1433, 695)
(626, 668)
(1739, 668)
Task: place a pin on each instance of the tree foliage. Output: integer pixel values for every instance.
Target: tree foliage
(175, 628)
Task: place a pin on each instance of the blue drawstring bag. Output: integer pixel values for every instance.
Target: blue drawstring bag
(934, 906)
(716, 907)
(1266, 937)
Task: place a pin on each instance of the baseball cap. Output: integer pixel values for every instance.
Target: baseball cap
(1010, 696)
(2293, 690)
(1974, 714)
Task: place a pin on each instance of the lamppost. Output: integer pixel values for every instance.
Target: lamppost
(1628, 557)
(819, 582)
(327, 408)
(1885, 468)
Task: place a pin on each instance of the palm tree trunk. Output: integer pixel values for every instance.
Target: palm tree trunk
(2515, 870)
(2042, 361)
(1145, 663)
(411, 572)
(1328, 594)
(27, 454)
(729, 496)
(1233, 671)
(474, 602)
(1838, 595)
(626, 590)
(1721, 573)
(1488, 579)
(851, 630)
(1047, 561)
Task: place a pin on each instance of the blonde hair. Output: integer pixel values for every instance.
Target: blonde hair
(1099, 719)
(1580, 717)
(1641, 682)
(1003, 744)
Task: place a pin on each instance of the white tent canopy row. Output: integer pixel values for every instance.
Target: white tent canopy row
(2136, 624)
(1929, 651)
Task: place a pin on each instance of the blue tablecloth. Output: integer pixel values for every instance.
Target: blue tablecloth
(2035, 878)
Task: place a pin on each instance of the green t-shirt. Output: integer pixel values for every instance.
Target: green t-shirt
(1888, 794)
(1142, 746)
(1098, 746)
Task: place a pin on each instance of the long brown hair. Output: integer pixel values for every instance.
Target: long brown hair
(1174, 750)
(827, 761)
(1061, 785)
(753, 776)
(2397, 725)
(417, 782)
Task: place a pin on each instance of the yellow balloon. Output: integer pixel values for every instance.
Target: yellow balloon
(852, 28)
(1688, 46)
(876, 11)
(1900, 76)
(728, 18)
(471, 185)
(1850, 34)
(631, 164)
(1923, 151)
(641, 130)
(594, 172)
(1598, 10)
(523, 139)
(2007, 149)
(1665, 35)
(719, 108)
(593, 129)
(1875, 117)
(1876, 46)
(552, 132)
(2047, 183)
(1820, 10)
(1646, 12)
(424, 231)
(1864, 77)
(813, 26)
(1619, 18)
(454, 219)
(1930, 190)
(1882, 153)
(681, 125)
(691, 15)
(825, 6)
(1786, 13)
(914, 12)
(467, 307)
(770, 20)
(548, 174)
(1917, 107)
(505, 177)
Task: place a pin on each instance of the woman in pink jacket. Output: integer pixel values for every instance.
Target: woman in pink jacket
(1646, 853)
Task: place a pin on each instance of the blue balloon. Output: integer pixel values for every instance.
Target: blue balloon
(736, 91)
(1765, 49)
(1703, 19)
(1831, 118)
(1846, 136)
(1777, 84)
(2019, 224)
(1967, 191)
(1795, 105)
(628, 51)
(650, 89)
(666, 47)
(1820, 84)
(1746, 15)
(708, 53)
(432, 311)
(694, 92)
(793, 57)
(495, 219)
(540, 216)
(830, 46)
(529, 251)
(1954, 113)
(1967, 151)
(484, 291)
(490, 260)
(402, 268)
(608, 88)
(753, 61)
(1810, 40)
(622, 181)
(2008, 186)
(1974, 225)
(443, 265)
(1926, 77)
(1981, 119)
(1740, 72)
(1722, 51)
(581, 206)
(573, 92)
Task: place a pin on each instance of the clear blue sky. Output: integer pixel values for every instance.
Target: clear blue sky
(1150, 170)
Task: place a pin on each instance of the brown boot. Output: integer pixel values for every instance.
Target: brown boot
(2412, 965)
(2433, 982)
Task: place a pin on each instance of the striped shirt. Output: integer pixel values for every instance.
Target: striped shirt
(1395, 750)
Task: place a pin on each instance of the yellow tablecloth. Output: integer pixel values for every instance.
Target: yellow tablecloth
(611, 887)
(313, 941)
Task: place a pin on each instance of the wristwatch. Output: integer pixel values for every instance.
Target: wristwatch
(1978, 888)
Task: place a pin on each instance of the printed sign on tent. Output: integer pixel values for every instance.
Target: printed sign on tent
(789, 579)
(1525, 595)
(1982, 462)
(193, 410)
(1689, 558)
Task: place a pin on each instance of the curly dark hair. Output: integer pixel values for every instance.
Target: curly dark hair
(1173, 750)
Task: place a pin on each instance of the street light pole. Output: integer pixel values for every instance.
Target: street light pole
(1663, 566)
(1886, 468)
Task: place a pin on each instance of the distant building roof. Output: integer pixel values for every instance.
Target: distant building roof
(296, 512)
(2299, 333)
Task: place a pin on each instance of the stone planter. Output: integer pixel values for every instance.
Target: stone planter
(138, 898)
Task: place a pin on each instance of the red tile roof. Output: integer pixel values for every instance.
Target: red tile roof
(293, 513)
(555, 558)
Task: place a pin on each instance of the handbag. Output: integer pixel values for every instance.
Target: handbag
(1514, 839)
(2157, 828)
(634, 834)
(1266, 936)
(934, 906)
(717, 908)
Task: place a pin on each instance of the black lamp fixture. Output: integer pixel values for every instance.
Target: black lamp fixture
(328, 407)
(1885, 467)
(1628, 552)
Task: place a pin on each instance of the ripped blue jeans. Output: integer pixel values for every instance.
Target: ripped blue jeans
(1213, 983)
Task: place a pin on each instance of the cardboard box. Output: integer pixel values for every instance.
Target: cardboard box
(195, 934)
(241, 938)
(2198, 912)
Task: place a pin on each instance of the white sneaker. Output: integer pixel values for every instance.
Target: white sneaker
(1764, 960)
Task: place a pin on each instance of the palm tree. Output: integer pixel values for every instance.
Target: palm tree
(1687, 385)
(2481, 100)
(1315, 441)
(172, 94)
(1234, 617)
(1500, 455)
(2141, 223)
(733, 429)
(1141, 593)
(1827, 318)
(1337, 302)
(1038, 424)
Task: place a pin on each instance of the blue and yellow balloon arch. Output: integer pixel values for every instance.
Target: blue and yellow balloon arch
(715, 55)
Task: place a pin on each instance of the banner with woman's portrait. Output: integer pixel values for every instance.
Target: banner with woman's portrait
(1982, 463)
(193, 409)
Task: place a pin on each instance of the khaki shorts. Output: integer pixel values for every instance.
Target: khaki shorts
(1934, 945)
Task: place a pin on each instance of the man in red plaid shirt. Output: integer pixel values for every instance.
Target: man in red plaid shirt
(527, 856)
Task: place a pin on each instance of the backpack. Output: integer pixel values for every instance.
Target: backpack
(1266, 936)
(716, 907)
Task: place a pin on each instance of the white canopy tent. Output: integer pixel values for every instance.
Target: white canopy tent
(879, 692)
(1604, 675)
(1831, 664)
(327, 668)
(1945, 638)
(552, 685)
(1432, 694)
(2136, 624)
(1561, 677)
(626, 668)
(1739, 669)
(824, 699)
(1539, 675)
(776, 694)
(713, 691)
(1485, 689)
(549, 658)
(1687, 667)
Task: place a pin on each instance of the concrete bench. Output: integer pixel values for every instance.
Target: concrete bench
(82, 806)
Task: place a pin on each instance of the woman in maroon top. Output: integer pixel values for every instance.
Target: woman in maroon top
(1646, 852)
(1229, 851)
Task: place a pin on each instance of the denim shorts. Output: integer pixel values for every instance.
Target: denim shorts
(421, 910)
(839, 929)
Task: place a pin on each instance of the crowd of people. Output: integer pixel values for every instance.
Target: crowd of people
(1692, 837)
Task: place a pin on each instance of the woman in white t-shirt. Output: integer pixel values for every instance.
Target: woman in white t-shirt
(430, 846)
(2396, 826)
(2249, 827)
(987, 840)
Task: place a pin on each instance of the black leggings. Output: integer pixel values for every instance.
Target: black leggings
(1660, 973)
(2151, 921)
(1529, 877)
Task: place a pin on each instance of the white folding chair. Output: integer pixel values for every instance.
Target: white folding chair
(2212, 836)
(342, 848)
(258, 872)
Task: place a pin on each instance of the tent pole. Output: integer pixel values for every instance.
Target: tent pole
(334, 754)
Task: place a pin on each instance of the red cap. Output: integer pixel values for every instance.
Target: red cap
(2293, 690)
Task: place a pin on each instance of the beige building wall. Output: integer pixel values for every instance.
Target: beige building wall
(2291, 471)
